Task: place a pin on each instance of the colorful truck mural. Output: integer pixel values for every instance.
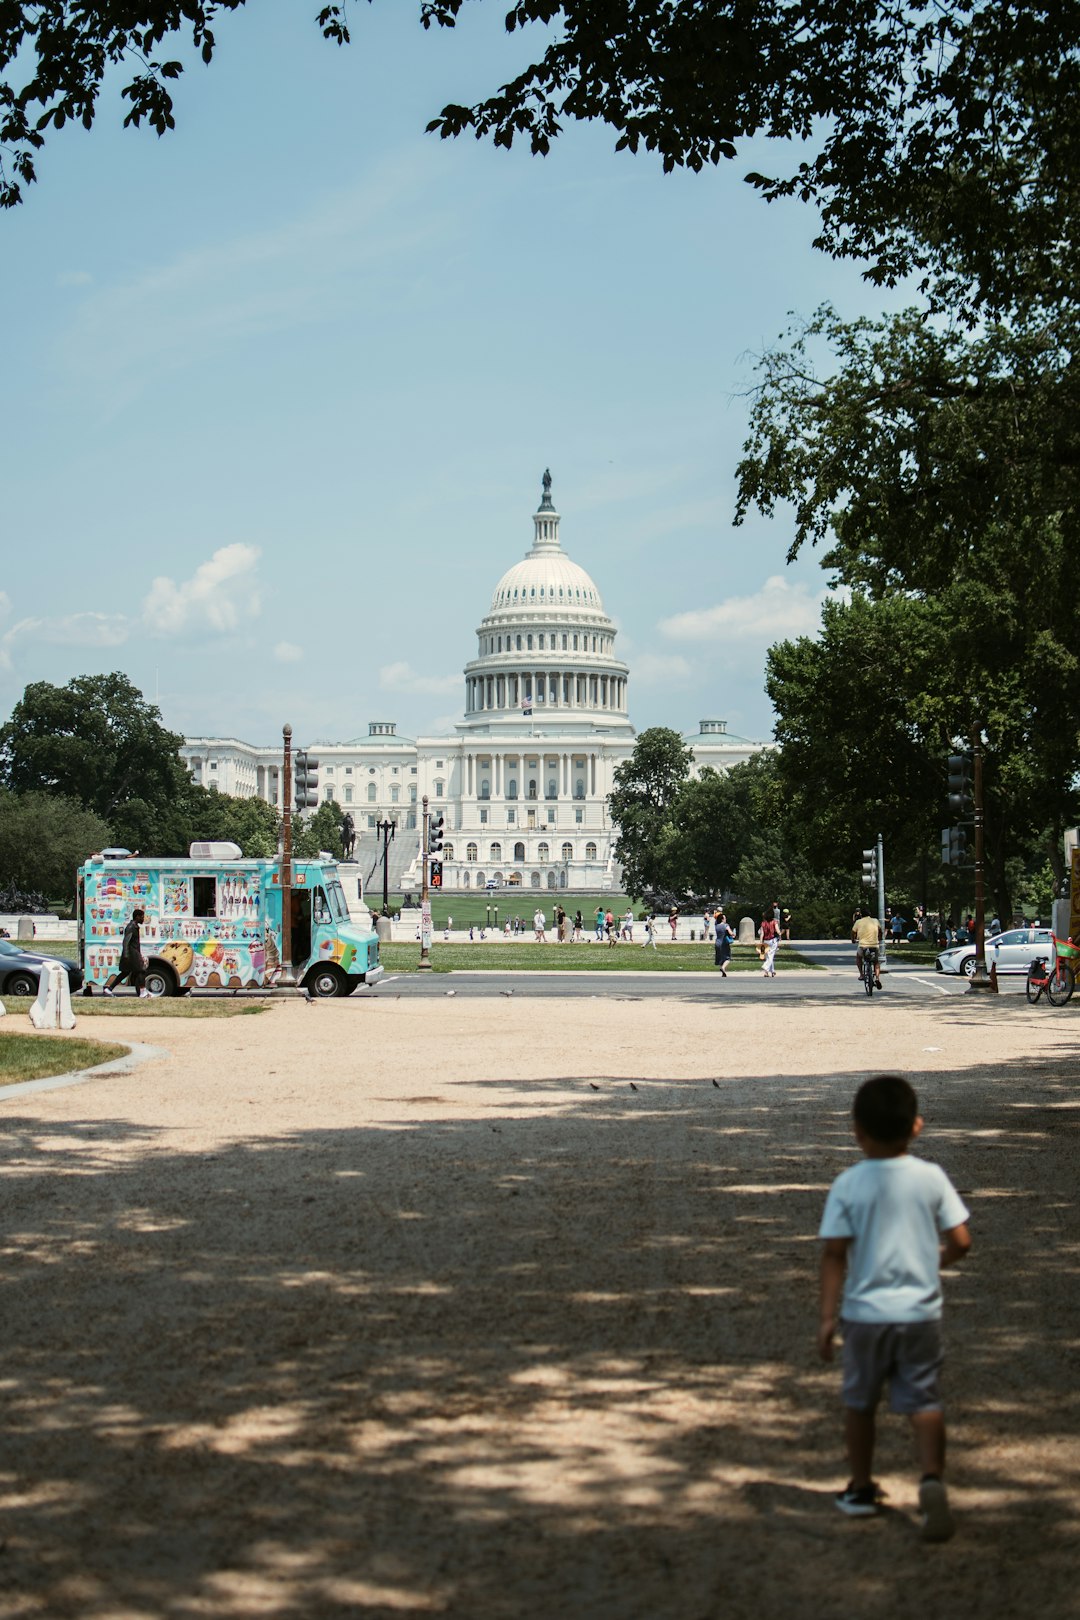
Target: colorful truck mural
(215, 924)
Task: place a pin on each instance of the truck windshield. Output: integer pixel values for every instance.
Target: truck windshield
(337, 899)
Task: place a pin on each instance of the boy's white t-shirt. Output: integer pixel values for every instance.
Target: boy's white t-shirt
(894, 1211)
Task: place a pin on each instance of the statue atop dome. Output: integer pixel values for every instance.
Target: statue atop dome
(545, 504)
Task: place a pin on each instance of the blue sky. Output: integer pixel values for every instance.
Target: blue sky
(281, 387)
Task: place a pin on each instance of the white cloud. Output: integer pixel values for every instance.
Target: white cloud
(401, 677)
(219, 595)
(777, 611)
(659, 669)
(287, 652)
(72, 630)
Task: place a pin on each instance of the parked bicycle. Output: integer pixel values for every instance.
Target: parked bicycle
(1054, 979)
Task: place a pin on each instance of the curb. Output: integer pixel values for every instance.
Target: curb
(140, 1052)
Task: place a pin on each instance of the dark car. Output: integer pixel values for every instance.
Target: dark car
(20, 970)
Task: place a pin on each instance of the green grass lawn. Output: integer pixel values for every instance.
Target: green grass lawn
(528, 957)
(33, 1057)
(131, 1006)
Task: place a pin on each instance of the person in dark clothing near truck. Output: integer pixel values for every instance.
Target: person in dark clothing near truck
(132, 966)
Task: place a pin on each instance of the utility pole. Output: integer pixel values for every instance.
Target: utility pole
(286, 980)
(425, 902)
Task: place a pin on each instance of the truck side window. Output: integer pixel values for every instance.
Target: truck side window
(204, 899)
(320, 907)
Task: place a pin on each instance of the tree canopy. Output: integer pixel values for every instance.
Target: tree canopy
(935, 134)
(97, 740)
(942, 471)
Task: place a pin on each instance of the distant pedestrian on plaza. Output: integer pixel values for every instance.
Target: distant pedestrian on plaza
(673, 920)
(599, 922)
(560, 925)
(579, 929)
(628, 924)
(891, 1223)
(723, 934)
(540, 927)
(131, 965)
(650, 932)
(785, 925)
(770, 940)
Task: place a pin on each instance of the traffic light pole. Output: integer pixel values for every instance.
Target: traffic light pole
(425, 902)
(286, 981)
(880, 864)
(980, 979)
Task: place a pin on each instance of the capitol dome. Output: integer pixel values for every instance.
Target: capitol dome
(546, 605)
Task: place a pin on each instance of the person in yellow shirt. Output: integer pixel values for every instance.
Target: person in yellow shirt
(866, 935)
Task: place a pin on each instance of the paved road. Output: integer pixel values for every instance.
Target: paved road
(836, 983)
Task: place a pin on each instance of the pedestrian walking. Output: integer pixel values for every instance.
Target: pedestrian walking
(650, 932)
(891, 1222)
(540, 927)
(723, 934)
(132, 964)
(673, 920)
(770, 940)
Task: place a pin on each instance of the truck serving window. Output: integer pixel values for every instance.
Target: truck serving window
(204, 899)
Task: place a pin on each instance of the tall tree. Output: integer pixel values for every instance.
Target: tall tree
(43, 841)
(647, 786)
(943, 472)
(96, 739)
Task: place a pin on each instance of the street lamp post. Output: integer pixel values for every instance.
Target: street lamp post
(386, 829)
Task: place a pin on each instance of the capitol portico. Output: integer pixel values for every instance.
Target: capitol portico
(523, 785)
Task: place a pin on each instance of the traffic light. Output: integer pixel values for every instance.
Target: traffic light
(306, 773)
(435, 875)
(869, 867)
(435, 835)
(953, 846)
(961, 787)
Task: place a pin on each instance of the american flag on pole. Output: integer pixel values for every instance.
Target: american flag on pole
(526, 705)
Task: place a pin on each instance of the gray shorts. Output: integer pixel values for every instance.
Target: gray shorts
(907, 1355)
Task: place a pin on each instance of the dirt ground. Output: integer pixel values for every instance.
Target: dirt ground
(419, 1309)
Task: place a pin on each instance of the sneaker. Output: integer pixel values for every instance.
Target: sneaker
(860, 1501)
(937, 1520)
(144, 995)
(107, 992)
(877, 984)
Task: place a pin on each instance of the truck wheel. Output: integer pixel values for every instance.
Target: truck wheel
(326, 980)
(160, 980)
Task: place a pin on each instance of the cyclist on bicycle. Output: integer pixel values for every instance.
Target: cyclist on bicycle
(866, 936)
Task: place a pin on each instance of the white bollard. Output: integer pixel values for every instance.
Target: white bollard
(52, 1009)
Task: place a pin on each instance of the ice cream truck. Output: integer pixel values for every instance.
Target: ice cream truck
(213, 922)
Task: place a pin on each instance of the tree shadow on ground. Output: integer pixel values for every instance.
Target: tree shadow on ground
(521, 1364)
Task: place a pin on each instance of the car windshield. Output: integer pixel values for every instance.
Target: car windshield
(10, 949)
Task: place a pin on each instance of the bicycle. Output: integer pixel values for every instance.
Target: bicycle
(1057, 981)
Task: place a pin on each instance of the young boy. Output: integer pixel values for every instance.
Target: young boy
(890, 1222)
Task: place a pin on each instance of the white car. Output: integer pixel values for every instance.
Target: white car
(1010, 952)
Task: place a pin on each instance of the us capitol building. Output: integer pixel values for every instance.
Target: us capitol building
(524, 782)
